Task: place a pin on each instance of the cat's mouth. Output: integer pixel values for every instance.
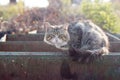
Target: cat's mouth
(63, 47)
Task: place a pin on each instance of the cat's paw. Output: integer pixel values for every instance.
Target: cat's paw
(89, 57)
(84, 56)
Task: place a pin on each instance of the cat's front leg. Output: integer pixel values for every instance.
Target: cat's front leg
(73, 54)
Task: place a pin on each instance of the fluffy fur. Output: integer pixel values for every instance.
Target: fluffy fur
(84, 40)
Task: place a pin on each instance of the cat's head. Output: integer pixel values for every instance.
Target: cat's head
(57, 35)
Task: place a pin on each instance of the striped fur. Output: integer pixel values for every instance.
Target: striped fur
(84, 42)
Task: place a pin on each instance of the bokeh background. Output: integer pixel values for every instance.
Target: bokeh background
(22, 16)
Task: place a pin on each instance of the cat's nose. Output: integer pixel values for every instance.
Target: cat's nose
(56, 40)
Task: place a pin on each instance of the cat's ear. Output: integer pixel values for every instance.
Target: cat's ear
(66, 26)
(87, 21)
(46, 25)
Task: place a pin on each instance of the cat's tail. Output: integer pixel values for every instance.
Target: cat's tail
(66, 72)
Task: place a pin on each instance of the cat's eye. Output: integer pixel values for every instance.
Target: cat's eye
(63, 37)
(49, 37)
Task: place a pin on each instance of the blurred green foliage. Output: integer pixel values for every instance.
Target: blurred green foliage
(9, 11)
(102, 14)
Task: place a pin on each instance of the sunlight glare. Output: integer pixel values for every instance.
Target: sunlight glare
(4, 2)
(29, 3)
(36, 3)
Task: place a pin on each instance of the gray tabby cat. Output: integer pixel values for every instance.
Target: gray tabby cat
(84, 40)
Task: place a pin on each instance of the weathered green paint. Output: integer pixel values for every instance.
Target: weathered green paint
(46, 66)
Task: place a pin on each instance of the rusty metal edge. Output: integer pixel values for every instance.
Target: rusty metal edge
(34, 53)
(48, 53)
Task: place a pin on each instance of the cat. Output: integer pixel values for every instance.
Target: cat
(84, 40)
